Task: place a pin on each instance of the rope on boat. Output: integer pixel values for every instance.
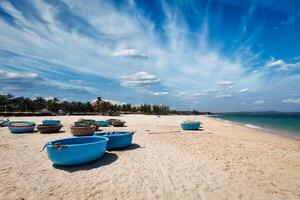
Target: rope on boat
(58, 146)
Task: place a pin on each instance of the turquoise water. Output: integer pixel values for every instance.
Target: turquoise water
(288, 123)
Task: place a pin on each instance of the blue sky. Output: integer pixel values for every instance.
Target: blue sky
(218, 55)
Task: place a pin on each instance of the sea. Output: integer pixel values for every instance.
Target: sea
(276, 122)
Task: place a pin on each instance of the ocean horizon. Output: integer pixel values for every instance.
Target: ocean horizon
(287, 123)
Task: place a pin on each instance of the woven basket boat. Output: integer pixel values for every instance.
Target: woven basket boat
(49, 128)
(50, 122)
(190, 125)
(4, 122)
(102, 123)
(118, 123)
(87, 122)
(76, 150)
(82, 130)
(21, 127)
(116, 140)
(110, 121)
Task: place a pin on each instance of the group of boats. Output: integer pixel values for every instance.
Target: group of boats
(82, 127)
(47, 126)
(90, 146)
(85, 149)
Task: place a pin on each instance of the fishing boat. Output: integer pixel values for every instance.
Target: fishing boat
(76, 150)
(51, 128)
(111, 120)
(117, 140)
(51, 122)
(190, 125)
(21, 127)
(102, 123)
(87, 122)
(4, 122)
(118, 123)
(83, 130)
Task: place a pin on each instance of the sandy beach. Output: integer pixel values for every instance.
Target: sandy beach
(222, 161)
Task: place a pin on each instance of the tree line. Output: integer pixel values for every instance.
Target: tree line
(8, 103)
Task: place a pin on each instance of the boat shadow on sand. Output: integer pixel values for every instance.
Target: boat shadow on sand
(197, 130)
(106, 159)
(133, 146)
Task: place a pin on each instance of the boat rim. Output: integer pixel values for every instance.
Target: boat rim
(191, 123)
(12, 126)
(51, 143)
(124, 133)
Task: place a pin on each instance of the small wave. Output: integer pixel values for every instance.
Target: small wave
(252, 126)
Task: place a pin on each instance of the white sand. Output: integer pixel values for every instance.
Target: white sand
(224, 161)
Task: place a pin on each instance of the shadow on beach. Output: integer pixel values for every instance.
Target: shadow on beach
(106, 159)
(198, 130)
(128, 148)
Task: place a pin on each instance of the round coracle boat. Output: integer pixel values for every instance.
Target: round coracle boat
(118, 123)
(51, 122)
(82, 130)
(87, 122)
(21, 127)
(111, 120)
(190, 125)
(118, 139)
(54, 128)
(77, 150)
(4, 122)
(102, 123)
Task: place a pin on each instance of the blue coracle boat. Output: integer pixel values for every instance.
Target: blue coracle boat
(190, 125)
(102, 123)
(116, 139)
(51, 122)
(77, 150)
(21, 127)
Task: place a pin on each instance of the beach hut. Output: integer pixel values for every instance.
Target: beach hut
(46, 112)
(61, 112)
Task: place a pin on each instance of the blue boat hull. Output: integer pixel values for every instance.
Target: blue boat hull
(117, 141)
(51, 122)
(77, 150)
(193, 126)
(28, 129)
(102, 123)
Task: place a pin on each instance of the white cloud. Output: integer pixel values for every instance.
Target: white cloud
(4, 75)
(224, 96)
(129, 53)
(243, 90)
(159, 93)
(259, 102)
(199, 94)
(225, 83)
(281, 65)
(33, 81)
(291, 101)
(139, 79)
(114, 102)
